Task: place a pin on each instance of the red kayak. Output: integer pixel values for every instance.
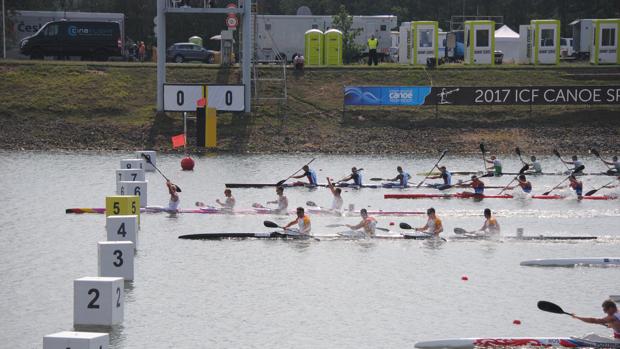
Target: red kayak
(466, 195)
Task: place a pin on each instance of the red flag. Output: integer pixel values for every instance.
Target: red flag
(201, 103)
(178, 140)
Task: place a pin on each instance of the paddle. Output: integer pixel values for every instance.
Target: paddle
(462, 231)
(521, 171)
(518, 151)
(578, 169)
(484, 160)
(448, 186)
(359, 169)
(270, 224)
(551, 308)
(443, 153)
(375, 179)
(287, 178)
(598, 155)
(406, 226)
(557, 153)
(344, 225)
(591, 192)
(148, 160)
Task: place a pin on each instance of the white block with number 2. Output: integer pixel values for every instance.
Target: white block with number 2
(138, 188)
(76, 340)
(98, 301)
(129, 164)
(122, 228)
(151, 155)
(130, 175)
(116, 259)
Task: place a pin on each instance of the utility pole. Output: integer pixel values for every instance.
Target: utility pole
(3, 31)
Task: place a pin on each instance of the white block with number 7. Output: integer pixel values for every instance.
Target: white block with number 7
(138, 188)
(116, 259)
(122, 228)
(98, 301)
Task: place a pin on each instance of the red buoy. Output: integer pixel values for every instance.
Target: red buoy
(464, 278)
(517, 322)
(187, 164)
(391, 223)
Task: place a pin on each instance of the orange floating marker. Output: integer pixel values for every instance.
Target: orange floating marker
(517, 322)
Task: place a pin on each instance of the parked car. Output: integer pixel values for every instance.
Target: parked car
(499, 56)
(86, 39)
(187, 51)
(566, 47)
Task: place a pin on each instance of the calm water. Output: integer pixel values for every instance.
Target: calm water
(259, 294)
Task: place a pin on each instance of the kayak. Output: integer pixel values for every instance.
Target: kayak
(477, 196)
(571, 262)
(470, 343)
(352, 234)
(528, 173)
(524, 237)
(306, 185)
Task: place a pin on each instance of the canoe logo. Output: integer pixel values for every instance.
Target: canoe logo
(443, 95)
(75, 31)
(400, 95)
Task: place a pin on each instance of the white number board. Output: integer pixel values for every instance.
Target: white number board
(178, 97)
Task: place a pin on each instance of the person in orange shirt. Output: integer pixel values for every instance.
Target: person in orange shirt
(433, 224)
(490, 225)
(302, 221)
(368, 223)
(611, 320)
(141, 51)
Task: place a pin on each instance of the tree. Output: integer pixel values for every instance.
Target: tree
(344, 22)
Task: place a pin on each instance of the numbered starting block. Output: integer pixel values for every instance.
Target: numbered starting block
(130, 175)
(122, 228)
(151, 155)
(76, 340)
(98, 301)
(132, 164)
(137, 188)
(125, 205)
(116, 259)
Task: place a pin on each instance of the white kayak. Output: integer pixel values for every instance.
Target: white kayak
(558, 342)
(571, 262)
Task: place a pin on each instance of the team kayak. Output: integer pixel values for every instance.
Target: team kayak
(528, 173)
(477, 196)
(572, 262)
(384, 185)
(522, 237)
(280, 235)
(470, 343)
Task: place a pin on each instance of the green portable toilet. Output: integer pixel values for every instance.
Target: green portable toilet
(333, 47)
(313, 47)
(546, 40)
(606, 36)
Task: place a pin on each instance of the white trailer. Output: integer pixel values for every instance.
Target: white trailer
(27, 23)
(284, 35)
(583, 37)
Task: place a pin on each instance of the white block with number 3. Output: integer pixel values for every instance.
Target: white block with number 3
(130, 175)
(129, 164)
(122, 228)
(98, 301)
(150, 155)
(76, 340)
(138, 188)
(116, 259)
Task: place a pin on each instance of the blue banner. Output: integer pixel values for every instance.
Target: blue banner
(386, 95)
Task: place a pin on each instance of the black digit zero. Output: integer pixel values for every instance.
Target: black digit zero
(228, 98)
(180, 98)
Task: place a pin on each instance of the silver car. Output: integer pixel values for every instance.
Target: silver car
(187, 51)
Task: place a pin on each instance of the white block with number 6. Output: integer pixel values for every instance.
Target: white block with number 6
(116, 259)
(138, 188)
(151, 155)
(129, 175)
(76, 340)
(129, 164)
(98, 301)
(122, 228)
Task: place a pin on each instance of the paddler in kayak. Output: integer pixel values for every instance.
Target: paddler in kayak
(337, 202)
(302, 221)
(282, 201)
(433, 224)
(355, 175)
(308, 173)
(477, 185)
(576, 185)
(615, 163)
(229, 203)
(173, 204)
(490, 225)
(576, 163)
(612, 320)
(402, 178)
(445, 175)
(368, 223)
(497, 166)
(535, 165)
(525, 185)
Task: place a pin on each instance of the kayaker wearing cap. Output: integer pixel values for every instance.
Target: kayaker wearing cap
(402, 177)
(308, 173)
(576, 185)
(612, 320)
(368, 223)
(302, 221)
(433, 224)
(497, 165)
(173, 204)
(477, 185)
(355, 175)
(445, 175)
(490, 225)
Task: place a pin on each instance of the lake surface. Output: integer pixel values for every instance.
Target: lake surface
(302, 294)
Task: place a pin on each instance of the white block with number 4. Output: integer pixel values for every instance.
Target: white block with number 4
(129, 175)
(116, 259)
(129, 164)
(122, 228)
(76, 340)
(98, 301)
(151, 156)
(138, 188)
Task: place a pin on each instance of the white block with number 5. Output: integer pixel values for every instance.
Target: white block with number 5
(151, 155)
(130, 175)
(116, 259)
(138, 188)
(122, 228)
(132, 164)
(98, 301)
(76, 340)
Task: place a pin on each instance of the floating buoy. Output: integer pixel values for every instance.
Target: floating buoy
(391, 223)
(187, 164)
(464, 278)
(517, 322)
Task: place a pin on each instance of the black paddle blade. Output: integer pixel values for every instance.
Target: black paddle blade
(557, 153)
(280, 182)
(311, 203)
(550, 307)
(460, 231)
(546, 193)
(270, 224)
(518, 151)
(482, 148)
(178, 189)
(591, 192)
(404, 225)
(524, 168)
(595, 152)
(579, 169)
(147, 158)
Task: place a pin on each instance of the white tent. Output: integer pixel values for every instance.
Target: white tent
(507, 41)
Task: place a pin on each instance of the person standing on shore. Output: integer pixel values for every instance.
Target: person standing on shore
(373, 44)
(141, 51)
(402, 177)
(575, 162)
(497, 165)
(173, 204)
(308, 173)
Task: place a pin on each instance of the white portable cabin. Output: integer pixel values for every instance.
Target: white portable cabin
(404, 43)
(582, 37)
(479, 42)
(546, 41)
(606, 36)
(425, 36)
(284, 35)
(507, 41)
